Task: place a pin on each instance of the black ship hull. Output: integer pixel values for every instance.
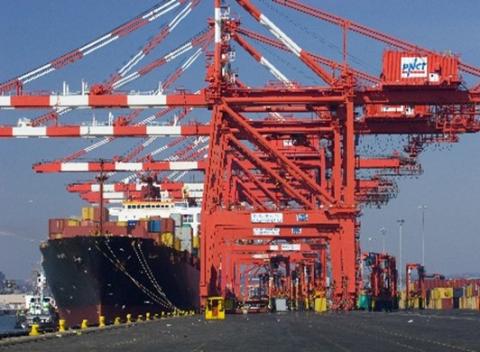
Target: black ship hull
(94, 276)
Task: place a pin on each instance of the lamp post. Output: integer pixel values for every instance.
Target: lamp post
(423, 207)
(383, 231)
(400, 229)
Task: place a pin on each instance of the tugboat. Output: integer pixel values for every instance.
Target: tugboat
(40, 309)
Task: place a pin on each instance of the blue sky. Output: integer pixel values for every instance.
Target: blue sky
(35, 32)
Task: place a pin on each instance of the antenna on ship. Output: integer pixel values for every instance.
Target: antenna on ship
(101, 180)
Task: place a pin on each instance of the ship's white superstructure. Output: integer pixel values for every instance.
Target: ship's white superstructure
(138, 210)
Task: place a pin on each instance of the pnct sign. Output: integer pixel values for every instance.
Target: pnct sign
(414, 67)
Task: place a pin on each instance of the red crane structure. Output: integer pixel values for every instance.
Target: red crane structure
(284, 178)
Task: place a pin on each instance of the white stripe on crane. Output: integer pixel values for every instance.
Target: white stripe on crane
(69, 100)
(146, 100)
(164, 130)
(179, 51)
(129, 166)
(181, 16)
(277, 32)
(274, 71)
(95, 42)
(160, 8)
(74, 167)
(183, 165)
(85, 53)
(218, 24)
(38, 75)
(29, 131)
(26, 75)
(157, 15)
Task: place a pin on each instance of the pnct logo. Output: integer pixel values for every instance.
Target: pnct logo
(412, 67)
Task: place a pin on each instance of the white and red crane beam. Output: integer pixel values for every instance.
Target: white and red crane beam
(152, 43)
(118, 166)
(132, 101)
(105, 131)
(136, 23)
(287, 41)
(202, 39)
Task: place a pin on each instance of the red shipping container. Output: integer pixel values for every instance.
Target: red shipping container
(447, 303)
(168, 225)
(96, 214)
(56, 225)
(410, 68)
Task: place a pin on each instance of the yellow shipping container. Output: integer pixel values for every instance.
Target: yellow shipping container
(178, 244)
(196, 241)
(167, 239)
(87, 213)
(446, 292)
(320, 304)
(72, 222)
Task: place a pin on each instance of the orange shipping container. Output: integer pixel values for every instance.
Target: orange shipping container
(410, 68)
(97, 212)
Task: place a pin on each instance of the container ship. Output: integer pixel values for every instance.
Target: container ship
(136, 258)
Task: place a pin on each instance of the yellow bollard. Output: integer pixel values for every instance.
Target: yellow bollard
(155, 316)
(34, 330)
(140, 317)
(147, 316)
(84, 324)
(61, 325)
(117, 321)
(101, 321)
(129, 318)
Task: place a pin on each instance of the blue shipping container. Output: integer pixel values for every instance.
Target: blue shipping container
(154, 226)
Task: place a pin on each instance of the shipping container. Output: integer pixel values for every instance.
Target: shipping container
(56, 225)
(447, 303)
(73, 222)
(98, 213)
(186, 245)
(177, 218)
(167, 239)
(196, 242)
(411, 68)
(458, 292)
(87, 213)
(155, 226)
(177, 244)
(168, 225)
(184, 233)
(132, 223)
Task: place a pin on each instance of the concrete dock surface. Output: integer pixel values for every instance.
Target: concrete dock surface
(294, 331)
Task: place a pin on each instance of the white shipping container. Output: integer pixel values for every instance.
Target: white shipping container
(186, 245)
